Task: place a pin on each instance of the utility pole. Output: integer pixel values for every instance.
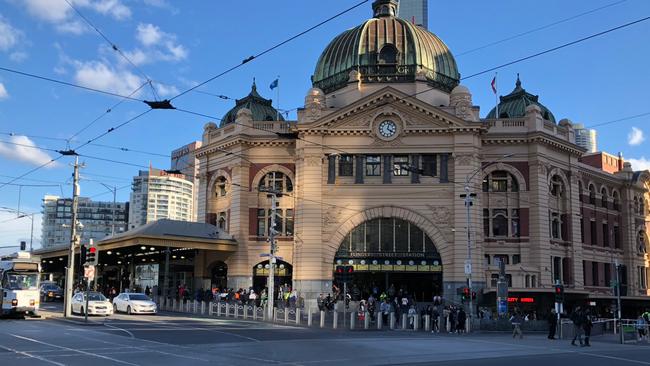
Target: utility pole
(468, 263)
(618, 300)
(273, 194)
(69, 278)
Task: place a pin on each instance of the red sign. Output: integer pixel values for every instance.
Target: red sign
(528, 300)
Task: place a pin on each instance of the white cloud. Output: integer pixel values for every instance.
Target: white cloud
(3, 92)
(25, 153)
(640, 164)
(18, 56)
(635, 137)
(61, 15)
(98, 75)
(9, 36)
(148, 34)
(166, 90)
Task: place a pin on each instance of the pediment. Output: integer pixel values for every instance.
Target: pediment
(413, 114)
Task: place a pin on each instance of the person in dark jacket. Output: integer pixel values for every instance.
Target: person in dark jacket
(577, 319)
(462, 318)
(552, 324)
(586, 326)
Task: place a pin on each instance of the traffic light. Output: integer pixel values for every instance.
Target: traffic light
(92, 256)
(559, 293)
(466, 294)
(344, 273)
(83, 250)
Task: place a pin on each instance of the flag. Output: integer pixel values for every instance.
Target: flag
(494, 85)
(274, 84)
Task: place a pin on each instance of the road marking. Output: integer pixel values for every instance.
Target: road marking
(73, 350)
(120, 329)
(31, 356)
(613, 358)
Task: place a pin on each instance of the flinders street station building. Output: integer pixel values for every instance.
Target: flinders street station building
(374, 168)
(372, 173)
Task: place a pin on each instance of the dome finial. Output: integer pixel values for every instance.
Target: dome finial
(518, 83)
(384, 8)
(254, 87)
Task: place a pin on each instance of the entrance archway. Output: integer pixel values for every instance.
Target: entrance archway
(219, 275)
(283, 275)
(391, 255)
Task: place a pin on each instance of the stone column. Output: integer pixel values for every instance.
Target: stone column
(239, 267)
(539, 241)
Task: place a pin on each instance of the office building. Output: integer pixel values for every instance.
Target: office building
(184, 161)
(586, 138)
(415, 11)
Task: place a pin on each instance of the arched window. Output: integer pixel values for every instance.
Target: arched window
(603, 197)
(636, 205)
(500, 181)
(616, 201)
(277, 181)
(220, 187)
(388, 55)
(592, 194)
(498, 222)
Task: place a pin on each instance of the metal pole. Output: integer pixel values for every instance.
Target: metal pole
(271, 285)
(87, 298)
(166, 278)
(468, 202)
(618, 299)
(345, 301)
(31, 236)
(20, 192)
(114, 189)
(69, 282)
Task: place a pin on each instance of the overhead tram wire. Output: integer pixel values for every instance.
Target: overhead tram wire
(115, 48)
(270, 49)
(549, 25)
(30, 171)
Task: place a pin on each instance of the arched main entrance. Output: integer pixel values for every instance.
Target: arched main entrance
(391, 254)
(283, 275)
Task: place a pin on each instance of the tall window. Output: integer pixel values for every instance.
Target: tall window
(603, 198)
(557, 187)
(400, 165)
(277, 181)
(605, 234)
(592, 194)
(582, 230)
(643, 277)
(221, 187)
(497, 222)
(500, 181)
(500, 222)
(556, 230)
(514, 223)
(430, 165)
(345, 165)
(615, 201)
(594, 232)
(283, 222)
(617, 237)
(222, 221)
(642, 243)
(373, 165)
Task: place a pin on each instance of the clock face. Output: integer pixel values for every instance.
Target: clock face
(387, 128)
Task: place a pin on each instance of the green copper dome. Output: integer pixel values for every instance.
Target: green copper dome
(386, 49)
(514, 104)
(262, 109)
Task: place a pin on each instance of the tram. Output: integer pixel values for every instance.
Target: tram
(20, 276)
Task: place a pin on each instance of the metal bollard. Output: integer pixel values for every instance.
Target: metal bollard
(322, 319)
(275, 314)
(416, 322)
(202, 307)
(254, 312)
(218, 309)
(245, 315)
(309, 317)
(227, 310)
(427, 323)
(352, 320)
(236, 311)
(380, 321)
(392, 320)
(210, 305)
(366, 320)
(173, 304)
(335, 320)
(404, 320)
(286, 315)
(297, 316)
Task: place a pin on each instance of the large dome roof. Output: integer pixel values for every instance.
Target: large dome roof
(386, 49)
(262, 109)
(514, 104)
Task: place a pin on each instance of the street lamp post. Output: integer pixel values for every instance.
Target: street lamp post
(469, 196)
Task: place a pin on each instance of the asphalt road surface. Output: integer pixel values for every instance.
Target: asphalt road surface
(177, 340)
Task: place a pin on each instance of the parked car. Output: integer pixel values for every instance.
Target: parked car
(98, 304)
(51, 292)
(134, 303)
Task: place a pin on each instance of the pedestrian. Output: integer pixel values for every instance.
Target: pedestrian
(641, 326)
(435, 320)
(552, 324)
(384, 309)
(577, 319)
(516, 320)
(462, 318)
(586, 326)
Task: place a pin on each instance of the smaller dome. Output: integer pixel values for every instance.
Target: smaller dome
(261, 109)
(514, 104)
(460, 89)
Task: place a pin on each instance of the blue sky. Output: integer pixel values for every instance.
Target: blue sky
(180, 43)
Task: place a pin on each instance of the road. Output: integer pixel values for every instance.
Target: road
(177, 340)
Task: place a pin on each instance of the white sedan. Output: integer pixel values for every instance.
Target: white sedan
(97, 304)
(134, 303)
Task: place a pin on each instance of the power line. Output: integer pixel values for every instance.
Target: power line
(125, 149)
(27, 74)
(115, 48)
(113, 161)
(518, 35)
(31, 171)
(113, 129)
(270, 49)
(620, 120)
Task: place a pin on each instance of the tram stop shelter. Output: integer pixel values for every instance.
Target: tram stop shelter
(160, 255)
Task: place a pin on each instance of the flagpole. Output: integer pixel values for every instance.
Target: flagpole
(496, 94)
(278, 98)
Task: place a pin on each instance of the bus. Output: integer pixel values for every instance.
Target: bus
(20, 276)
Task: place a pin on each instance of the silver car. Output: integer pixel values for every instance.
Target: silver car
(134, 303)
